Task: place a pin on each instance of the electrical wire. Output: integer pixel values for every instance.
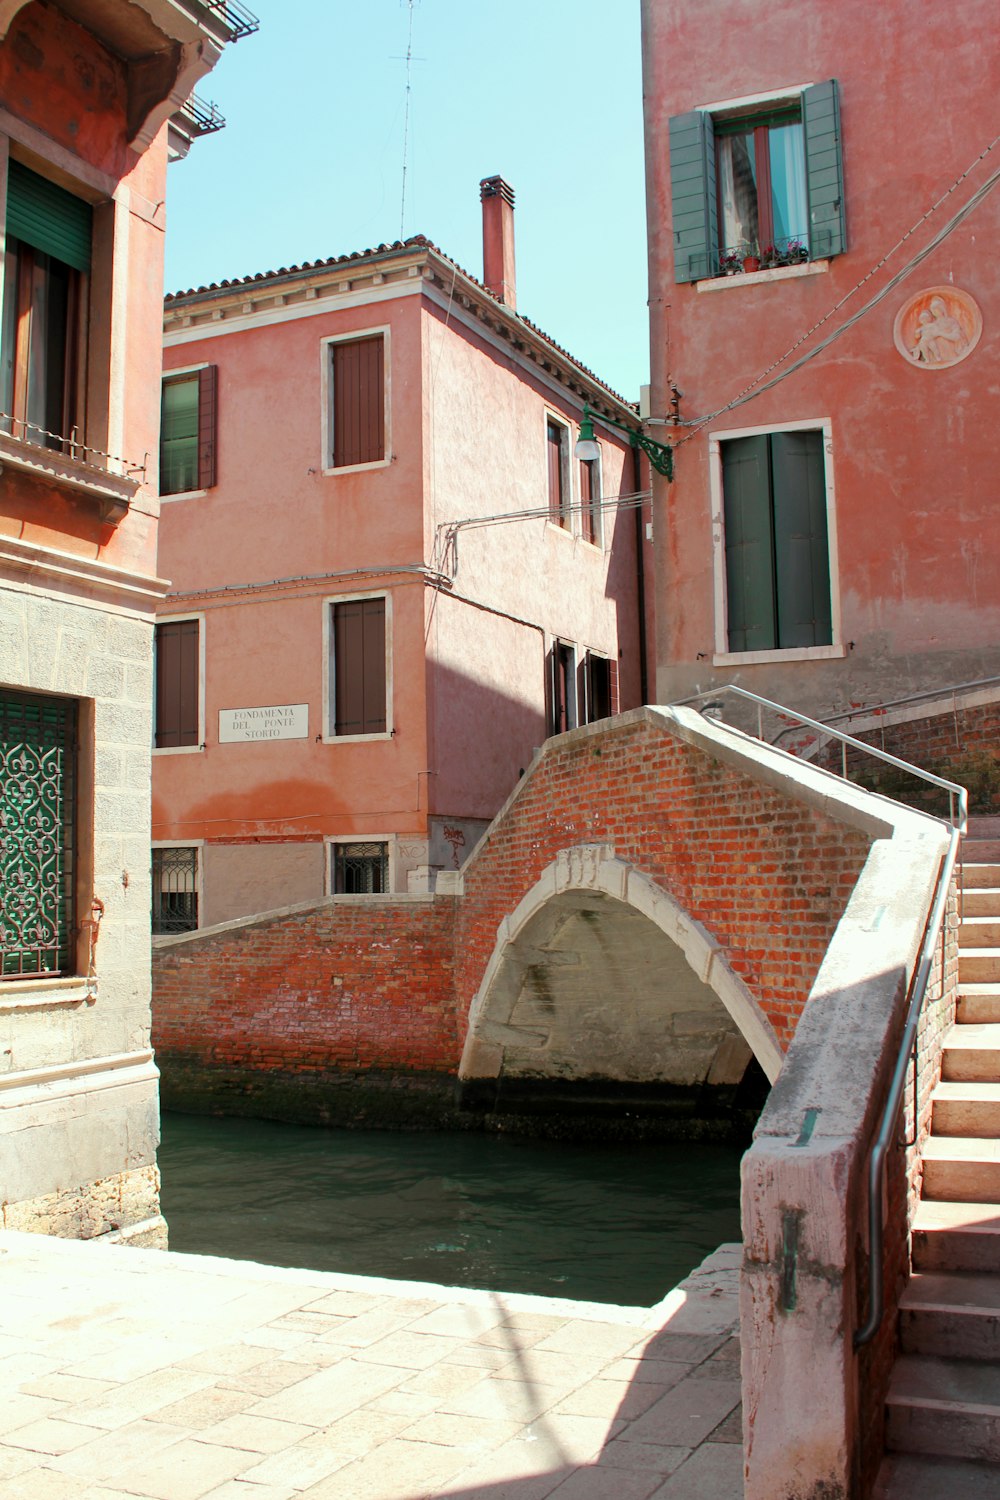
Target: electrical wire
(760, 384)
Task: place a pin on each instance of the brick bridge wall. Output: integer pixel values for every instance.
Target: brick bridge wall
(383, 986)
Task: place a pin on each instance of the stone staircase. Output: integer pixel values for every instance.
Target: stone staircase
(943, 1412)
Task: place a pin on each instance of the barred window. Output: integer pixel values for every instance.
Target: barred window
(360, 869)
(175, 890)
(37, 835)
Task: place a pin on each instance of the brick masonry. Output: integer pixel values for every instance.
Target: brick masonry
(382, 986)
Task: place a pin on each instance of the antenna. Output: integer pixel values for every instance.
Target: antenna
(406, 115)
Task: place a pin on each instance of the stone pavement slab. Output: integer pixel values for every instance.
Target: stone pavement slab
(130, 1374)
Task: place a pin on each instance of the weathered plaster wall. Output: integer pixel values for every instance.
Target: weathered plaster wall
(243, 877)
(911, 453)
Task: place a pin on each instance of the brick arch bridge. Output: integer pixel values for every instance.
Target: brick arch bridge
(650, 907)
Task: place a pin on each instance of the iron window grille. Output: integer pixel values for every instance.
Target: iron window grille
(175, 890)
(360, 869)
(38, 792)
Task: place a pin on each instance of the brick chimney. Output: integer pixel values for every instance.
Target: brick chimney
(498, 239)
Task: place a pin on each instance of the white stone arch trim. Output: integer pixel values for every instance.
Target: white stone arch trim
(596, 867)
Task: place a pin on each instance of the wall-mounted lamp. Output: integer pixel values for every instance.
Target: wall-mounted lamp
(660, 455)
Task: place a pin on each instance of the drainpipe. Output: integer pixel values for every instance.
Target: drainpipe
(640, 579)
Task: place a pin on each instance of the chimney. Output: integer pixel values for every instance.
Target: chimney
(498, 239)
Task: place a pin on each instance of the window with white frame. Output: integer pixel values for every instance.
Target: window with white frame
(177, 684)
(757, 183)
(561, 694)
(778, 585)
(188, 420)
(175, 889)
(558, 471)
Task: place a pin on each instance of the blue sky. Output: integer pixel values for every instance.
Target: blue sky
(544, 92)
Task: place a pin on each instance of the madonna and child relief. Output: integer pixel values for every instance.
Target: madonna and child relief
(937, 328)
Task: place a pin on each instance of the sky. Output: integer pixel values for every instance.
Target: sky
(545, 93)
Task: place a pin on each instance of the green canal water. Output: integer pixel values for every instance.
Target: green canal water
(606, 1223)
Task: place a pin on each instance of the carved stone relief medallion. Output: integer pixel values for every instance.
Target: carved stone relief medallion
(937, 328)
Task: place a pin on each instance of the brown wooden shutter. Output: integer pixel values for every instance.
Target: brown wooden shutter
(359, 667)
(208, 385)
(176, 684)
(358, 402)
(586, 500)
(554, 447)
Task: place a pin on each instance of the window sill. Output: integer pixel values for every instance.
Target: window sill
(39, 994)
(380, 463)
(789, 653)
(178, 749)
(112, 492)
(184, 495)
(566, 531)
(753, 278)
(357, 739)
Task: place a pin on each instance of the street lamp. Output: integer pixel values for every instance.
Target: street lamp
(660, 455)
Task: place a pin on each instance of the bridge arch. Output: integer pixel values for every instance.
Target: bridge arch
(599, 971)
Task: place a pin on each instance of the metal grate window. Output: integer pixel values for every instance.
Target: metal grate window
(37, 835)
(175, 890)
(360, 869)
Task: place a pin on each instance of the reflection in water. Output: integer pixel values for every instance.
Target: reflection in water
(608, 1223)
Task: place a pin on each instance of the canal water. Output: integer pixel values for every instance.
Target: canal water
(604, 1223)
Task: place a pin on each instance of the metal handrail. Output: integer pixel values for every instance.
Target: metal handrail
(847, 742)
(890, 1115)
(916, 991)
(927, 695)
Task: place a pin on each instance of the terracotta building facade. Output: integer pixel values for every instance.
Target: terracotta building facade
(88, 94)
(390, 576)
(823, 371)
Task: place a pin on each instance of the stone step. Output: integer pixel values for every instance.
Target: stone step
(912, 1476)
(981, 851)
(979, 932)
(981, 901)
(956, 1237)
(978, 1002)
(952, 1315)
(944, 1406)
(960, 1170)
(974, 875)
(971, 1052)
(978, 966)
(970, 1109)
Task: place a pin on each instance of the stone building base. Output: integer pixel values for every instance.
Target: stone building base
(125, 1207)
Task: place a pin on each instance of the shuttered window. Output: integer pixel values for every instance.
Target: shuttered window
(357, 370)
(177, 657)
(601, 686)
(557, 449)
(777, 548)
(590, 501)
(358, 689)
(48, 218)
(769, 184)
(188, 416)
(561, 688)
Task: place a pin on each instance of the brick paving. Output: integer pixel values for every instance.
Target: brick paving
(131, 1373)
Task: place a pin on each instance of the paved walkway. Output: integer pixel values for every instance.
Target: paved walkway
(128, 1372)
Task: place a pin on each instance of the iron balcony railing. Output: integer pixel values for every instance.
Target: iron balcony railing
(236, 17)
(919, 981)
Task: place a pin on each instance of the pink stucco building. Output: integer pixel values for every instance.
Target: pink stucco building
(390, 576)
(828, 538)
(95, 95)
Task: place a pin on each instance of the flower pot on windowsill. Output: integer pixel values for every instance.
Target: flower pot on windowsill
(751, 262)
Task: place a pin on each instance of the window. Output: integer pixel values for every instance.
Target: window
(43, 316)
(359, 869)
(37, 835)
(358, 677)
(177, 660)
(761, 179)
(557, 450)
(188, 415)
(357, 402)
(590, 501)
(777, 553)
(175, 890)
(600, 680)
(561, 688)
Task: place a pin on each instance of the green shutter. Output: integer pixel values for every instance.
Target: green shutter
(801, 547)
(694, 206)
(749, 545)
(824, 170)
(48, 218)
